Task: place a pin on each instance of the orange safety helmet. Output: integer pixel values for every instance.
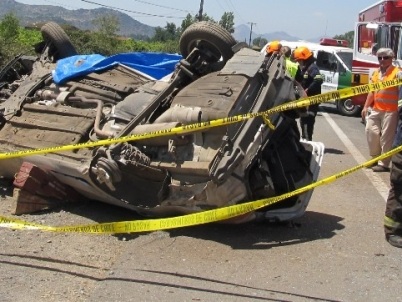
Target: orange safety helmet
(273, 46)
(302, 53)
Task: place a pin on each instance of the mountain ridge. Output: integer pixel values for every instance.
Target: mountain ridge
(82, 18)
(242, 33)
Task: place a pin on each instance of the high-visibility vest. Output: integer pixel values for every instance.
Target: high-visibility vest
(291, 67)
(386, 99)
(392, 224)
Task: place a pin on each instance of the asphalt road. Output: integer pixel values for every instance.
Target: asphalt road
(335, 252)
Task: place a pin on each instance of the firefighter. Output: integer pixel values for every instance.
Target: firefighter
(383, 119)
(393, 208)
(273, 48)
(311, 83)
(292, 67)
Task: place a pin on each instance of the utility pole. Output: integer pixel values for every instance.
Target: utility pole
(251, 30)
(201, 10)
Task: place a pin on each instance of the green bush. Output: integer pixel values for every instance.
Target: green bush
(15, 40)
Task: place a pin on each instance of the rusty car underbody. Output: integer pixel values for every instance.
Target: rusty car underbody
(167, 175)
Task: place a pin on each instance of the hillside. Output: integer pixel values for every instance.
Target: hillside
(129, 27)
(80, 18)
(242, 33)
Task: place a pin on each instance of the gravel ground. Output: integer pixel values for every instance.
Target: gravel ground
(45, 266)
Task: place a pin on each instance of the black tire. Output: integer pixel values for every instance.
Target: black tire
(210, 36)
(54, 34)
(347, 108)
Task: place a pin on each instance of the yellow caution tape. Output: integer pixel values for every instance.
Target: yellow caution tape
(204, 217)
(301, 103)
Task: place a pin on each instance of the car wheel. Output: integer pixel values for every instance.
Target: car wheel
(207, 36)
(52, 33)
(347, 108)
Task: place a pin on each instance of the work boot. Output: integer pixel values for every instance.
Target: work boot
(380, 168)
(372, 165)
(395, 240)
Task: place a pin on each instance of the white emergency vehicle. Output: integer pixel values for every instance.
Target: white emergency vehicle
(334, 59)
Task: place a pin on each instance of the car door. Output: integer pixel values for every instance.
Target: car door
(328, 65)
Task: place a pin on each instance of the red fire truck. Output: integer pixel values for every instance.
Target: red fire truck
(379, 25)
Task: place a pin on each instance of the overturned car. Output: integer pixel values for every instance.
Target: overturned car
(171, 174)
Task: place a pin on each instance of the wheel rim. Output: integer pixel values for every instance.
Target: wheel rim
(209, 47)
(348, 105)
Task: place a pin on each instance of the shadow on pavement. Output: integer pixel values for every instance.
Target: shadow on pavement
(328, 108)
(264, 235)
(333, 151)
(251, 235)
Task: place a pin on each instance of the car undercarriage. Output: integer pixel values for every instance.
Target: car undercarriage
(170, 174)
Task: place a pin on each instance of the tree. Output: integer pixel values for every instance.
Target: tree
(171, 31)
(83, 40)
(187, 22)
(190, 20)
(9, 44)
(168, 33)
(349, 36)
(108, 25)
(104, 41)
(260, 42)
(9, 27)
(205, 17)
(227, 21)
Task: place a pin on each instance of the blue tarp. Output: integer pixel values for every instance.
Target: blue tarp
(156, 65)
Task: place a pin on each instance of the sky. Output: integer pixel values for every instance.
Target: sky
(305, 19)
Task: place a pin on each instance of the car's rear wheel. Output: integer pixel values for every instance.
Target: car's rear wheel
(61, 45)
(207, 37)
(347, 108)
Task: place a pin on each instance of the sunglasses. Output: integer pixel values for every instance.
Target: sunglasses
(383, 58)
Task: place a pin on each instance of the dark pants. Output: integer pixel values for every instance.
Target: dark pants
(393, 209)
(307, 123)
